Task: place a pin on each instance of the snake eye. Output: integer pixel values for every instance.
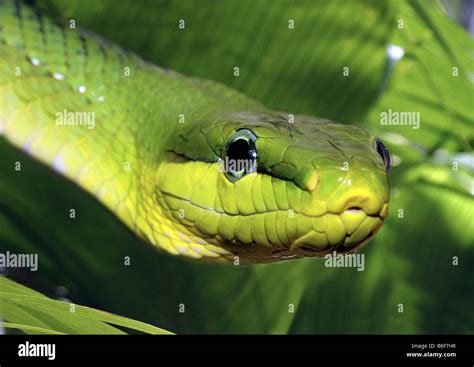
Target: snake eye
(384, 153)
(240, 155)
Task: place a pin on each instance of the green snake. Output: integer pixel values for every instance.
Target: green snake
(191, 166)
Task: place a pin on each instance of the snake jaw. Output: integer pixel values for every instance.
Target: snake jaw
(347, 245)
(359, 228)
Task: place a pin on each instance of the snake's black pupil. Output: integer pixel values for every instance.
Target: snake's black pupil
(239, 150)
(240, 155)
(385, 154)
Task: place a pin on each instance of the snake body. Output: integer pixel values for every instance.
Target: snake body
(157, 147)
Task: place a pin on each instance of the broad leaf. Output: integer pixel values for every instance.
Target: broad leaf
(31, 312)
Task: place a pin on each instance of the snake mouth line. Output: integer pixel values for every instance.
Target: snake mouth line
(353, 211)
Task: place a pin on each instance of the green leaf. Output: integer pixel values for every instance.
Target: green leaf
(34, 313)
(434, 78)
(297, 69)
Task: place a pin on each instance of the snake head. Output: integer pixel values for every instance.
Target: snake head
(259, 188)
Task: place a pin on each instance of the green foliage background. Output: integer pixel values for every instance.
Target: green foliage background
(298, 70)
(37, 314)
